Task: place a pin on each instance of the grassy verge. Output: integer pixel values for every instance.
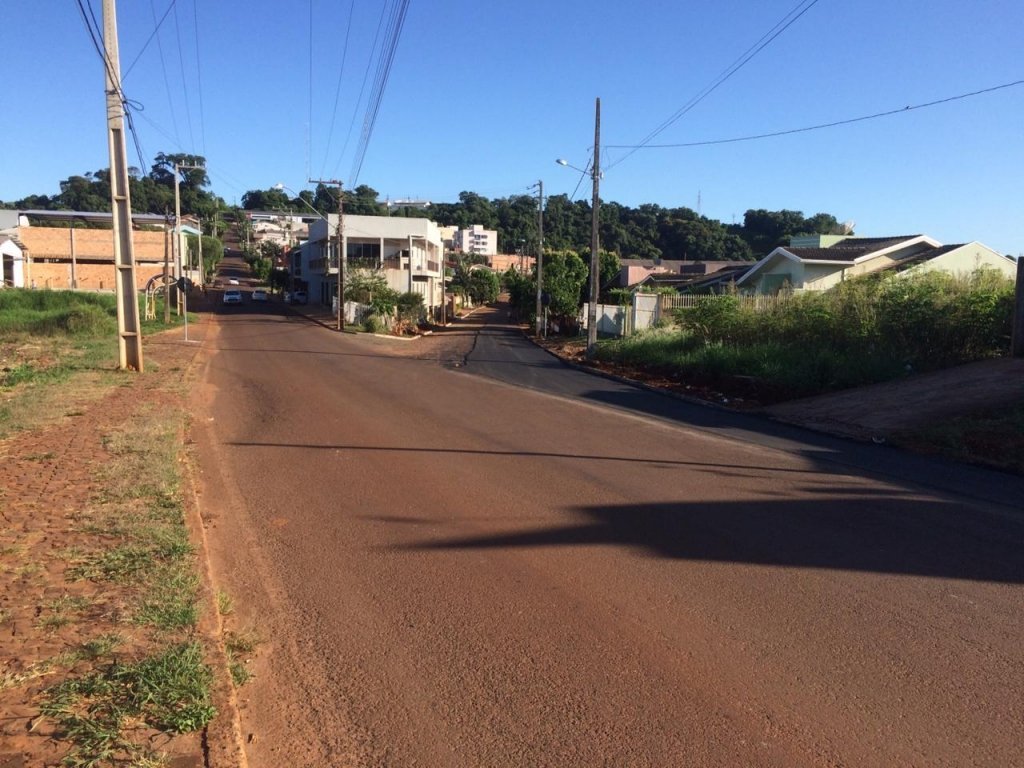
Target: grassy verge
(100, 592)
(49, 338)
(991, 437)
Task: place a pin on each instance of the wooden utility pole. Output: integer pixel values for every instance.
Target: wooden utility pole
(1017, 340)
(341, 249)
(129, 331)
(595, 259)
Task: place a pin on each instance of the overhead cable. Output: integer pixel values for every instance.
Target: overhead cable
(766, 39)
(862, 118)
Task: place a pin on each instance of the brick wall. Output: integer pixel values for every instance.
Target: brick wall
(50, 251)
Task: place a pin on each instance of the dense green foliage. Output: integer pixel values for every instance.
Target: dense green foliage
(150, 193)
(52, 313)
(648, 231)
(866, 330)
(475, 281)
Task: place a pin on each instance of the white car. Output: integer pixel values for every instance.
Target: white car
(232, 297)
(259, 295)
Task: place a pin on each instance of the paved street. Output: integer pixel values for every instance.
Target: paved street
(509, 563)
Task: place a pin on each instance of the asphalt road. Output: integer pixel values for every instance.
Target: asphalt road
(509, 563)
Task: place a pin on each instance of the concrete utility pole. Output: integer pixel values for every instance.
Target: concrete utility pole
(167, 272)
(541, 329)
(1017, 339)
(341, 250)
(179, 265)
(129, 332)
(595, 260)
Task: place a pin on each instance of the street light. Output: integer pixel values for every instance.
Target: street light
(595, 175)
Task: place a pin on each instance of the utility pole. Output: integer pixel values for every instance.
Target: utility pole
(341, 250)
(541, 326)
(179, 265)
(1017, 337)
(129, 331)
(167, 272)
(595, 261)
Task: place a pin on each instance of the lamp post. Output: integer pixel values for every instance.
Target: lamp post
(595, 174)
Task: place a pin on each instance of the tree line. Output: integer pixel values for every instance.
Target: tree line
(648, 231)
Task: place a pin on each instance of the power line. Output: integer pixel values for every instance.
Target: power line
(199, 79)
(184, 82)
(766, 39)
(337, 90)
(362, 88)
(93, 28)
(862, 118)
(380, 84)
(149, 39)
(163, 65)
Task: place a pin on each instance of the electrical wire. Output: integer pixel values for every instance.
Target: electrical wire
(93, 28)
(848, 121)
(380, 84)
(199, 79)
(362, 88)
(184, 82)
(163, 65)
(337, 90)
(766, 39)
(153, 34)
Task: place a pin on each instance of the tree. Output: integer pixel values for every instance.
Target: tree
(565, 274)
(362, 284)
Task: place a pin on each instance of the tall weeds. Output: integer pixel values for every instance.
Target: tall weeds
(865, 330)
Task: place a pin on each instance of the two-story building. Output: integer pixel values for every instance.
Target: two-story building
(408, 251)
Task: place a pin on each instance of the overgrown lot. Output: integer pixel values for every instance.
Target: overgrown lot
(866, 330)
(99, 598)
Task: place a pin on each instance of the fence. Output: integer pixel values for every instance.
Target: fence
(648, 308)
(668, 303)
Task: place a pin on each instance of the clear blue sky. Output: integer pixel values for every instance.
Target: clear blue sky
(483, 96)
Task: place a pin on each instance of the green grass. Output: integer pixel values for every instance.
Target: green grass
(168, 691)
(239, 648)
(993, 437)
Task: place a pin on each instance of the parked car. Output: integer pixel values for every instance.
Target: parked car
(232, 281)
(259, 295)
(232, 297)
(299, 297)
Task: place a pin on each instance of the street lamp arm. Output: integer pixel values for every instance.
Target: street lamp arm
(282, 187)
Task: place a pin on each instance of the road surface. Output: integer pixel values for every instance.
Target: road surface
(470, 561)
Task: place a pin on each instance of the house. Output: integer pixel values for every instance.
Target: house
(715, 282)
(285, 229)
(820, 262)
(408, 251)
(634, 271)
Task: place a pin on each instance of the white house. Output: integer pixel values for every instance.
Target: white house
(409, 252)
(820, 262)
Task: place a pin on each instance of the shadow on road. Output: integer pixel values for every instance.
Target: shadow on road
(877, 534)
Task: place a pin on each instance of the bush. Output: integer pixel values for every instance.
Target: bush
(372, 324)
